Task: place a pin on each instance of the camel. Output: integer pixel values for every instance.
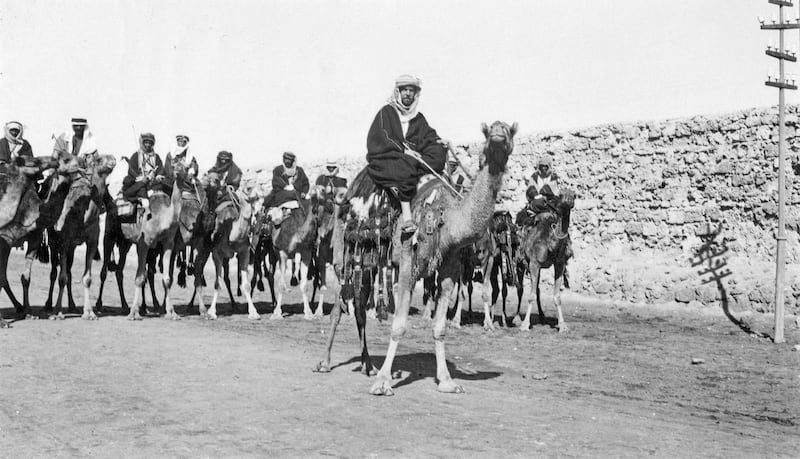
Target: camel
(263, 255)
(361, 240)
(114, 236)
(446, 226)
(547, 243)
(323, 251)
(232, 238)
(294, 242)
(158, 228)
(79, 224)
(497, 255)
(19, 213)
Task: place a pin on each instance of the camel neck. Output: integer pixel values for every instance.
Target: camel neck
(471, 218)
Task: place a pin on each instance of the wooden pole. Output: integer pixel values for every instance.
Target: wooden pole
(780, 257)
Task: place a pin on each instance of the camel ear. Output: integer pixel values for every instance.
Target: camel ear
(485, 129)
(514, 129)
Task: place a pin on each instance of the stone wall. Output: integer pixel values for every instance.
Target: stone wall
(678, 201)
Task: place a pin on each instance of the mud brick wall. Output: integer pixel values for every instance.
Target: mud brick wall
(668, 189)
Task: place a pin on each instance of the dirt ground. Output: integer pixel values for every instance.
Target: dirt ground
(620, 383)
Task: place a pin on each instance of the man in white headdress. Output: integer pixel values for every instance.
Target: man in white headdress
(80, 144)
(181, 153)
(13, 145)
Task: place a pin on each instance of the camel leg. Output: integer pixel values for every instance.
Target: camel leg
(533, 270)
(487, 293)
(103, 275)
(503, 293)
(558, 273)
(64, 260)
(226, 275)
(296, 269)
(320, 312)
(324, 365)
(25, 280)
(243, 260)
(383, 385)
(166, 282)
(151, 281)
(212, 311)
(202, 258)
(71, 306)
(280, 271)
(5, 251)
(123, 249)
(141, 274)
(48, 304)
(520, 289)
(307, 313)
(447, 278)
(362, 295)
(86, 280)
(456, 322)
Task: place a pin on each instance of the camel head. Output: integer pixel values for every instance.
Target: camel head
(499, 145)
(104, 165)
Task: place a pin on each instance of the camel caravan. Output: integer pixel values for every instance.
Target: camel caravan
(414, 212)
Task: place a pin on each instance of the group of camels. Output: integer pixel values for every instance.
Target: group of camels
(375, 264)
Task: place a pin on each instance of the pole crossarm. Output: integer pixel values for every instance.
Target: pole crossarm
(780, 26)
(781, 2)
(780, 85)
(782, 55)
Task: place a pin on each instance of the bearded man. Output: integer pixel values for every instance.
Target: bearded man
(144, 169)
(399, 140)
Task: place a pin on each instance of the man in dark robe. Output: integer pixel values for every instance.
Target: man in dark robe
(542, 194)
(457, 179)
(330, 185)
(145, 170)
(229, 177)
(13, 146)
(397, 143)
(289, 186)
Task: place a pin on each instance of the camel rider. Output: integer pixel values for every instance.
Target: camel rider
(289, 186)
(398, 140)
(542, 194)
(229, 176)
(13, 146)
(329, 185)
(77, 150)
(456, 178)
(145, 170)
(181, 154)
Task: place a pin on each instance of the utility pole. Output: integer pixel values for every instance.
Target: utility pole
(781, 83)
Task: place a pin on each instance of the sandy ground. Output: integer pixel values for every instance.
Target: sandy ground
(620, 383)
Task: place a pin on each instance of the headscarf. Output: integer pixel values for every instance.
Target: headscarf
(14, 143)
(546, 160)
(405, 113)
(181, 151)
(63, 141)
(332, 164)
(290, 171)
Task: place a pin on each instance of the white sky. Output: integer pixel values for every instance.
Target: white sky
(261, 77)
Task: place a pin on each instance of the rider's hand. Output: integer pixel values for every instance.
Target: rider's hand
(289, 187)
(446, 144)
(140, 179)
(160, 178)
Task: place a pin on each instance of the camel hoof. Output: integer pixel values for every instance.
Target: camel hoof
(89, 316)
(449, 387)
(308, 316)
(488, 325)
(275, 316)
(562, 328)
(212, 317)
(134, 316)
(455, 324)
(319, 314)
(382, 387)
(525, 326)
(59, 316)
(322, 367)
(31, 317)
(4, 324)
(254, 316)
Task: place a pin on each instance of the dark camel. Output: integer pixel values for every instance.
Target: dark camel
(19, 213)
(547, 243)
(79, 224)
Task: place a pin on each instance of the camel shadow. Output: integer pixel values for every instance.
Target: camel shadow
(711, 257)
(422, 365)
